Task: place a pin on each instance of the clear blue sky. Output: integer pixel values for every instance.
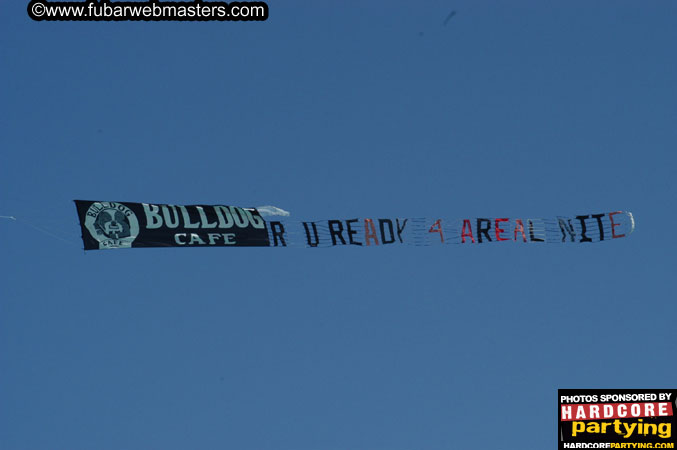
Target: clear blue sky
(335, 109)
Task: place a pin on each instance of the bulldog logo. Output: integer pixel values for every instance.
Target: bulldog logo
(112, 224)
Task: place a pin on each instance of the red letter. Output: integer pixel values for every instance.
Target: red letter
(437, 224)
(499, 230)
(367, 234)
(464, 234)
(614, 225)
(519, 226)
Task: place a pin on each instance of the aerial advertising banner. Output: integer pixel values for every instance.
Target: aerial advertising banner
(107, 225)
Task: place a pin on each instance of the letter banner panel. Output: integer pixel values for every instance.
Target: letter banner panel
(122, 225)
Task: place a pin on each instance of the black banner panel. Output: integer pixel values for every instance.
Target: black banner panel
(107, 225)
